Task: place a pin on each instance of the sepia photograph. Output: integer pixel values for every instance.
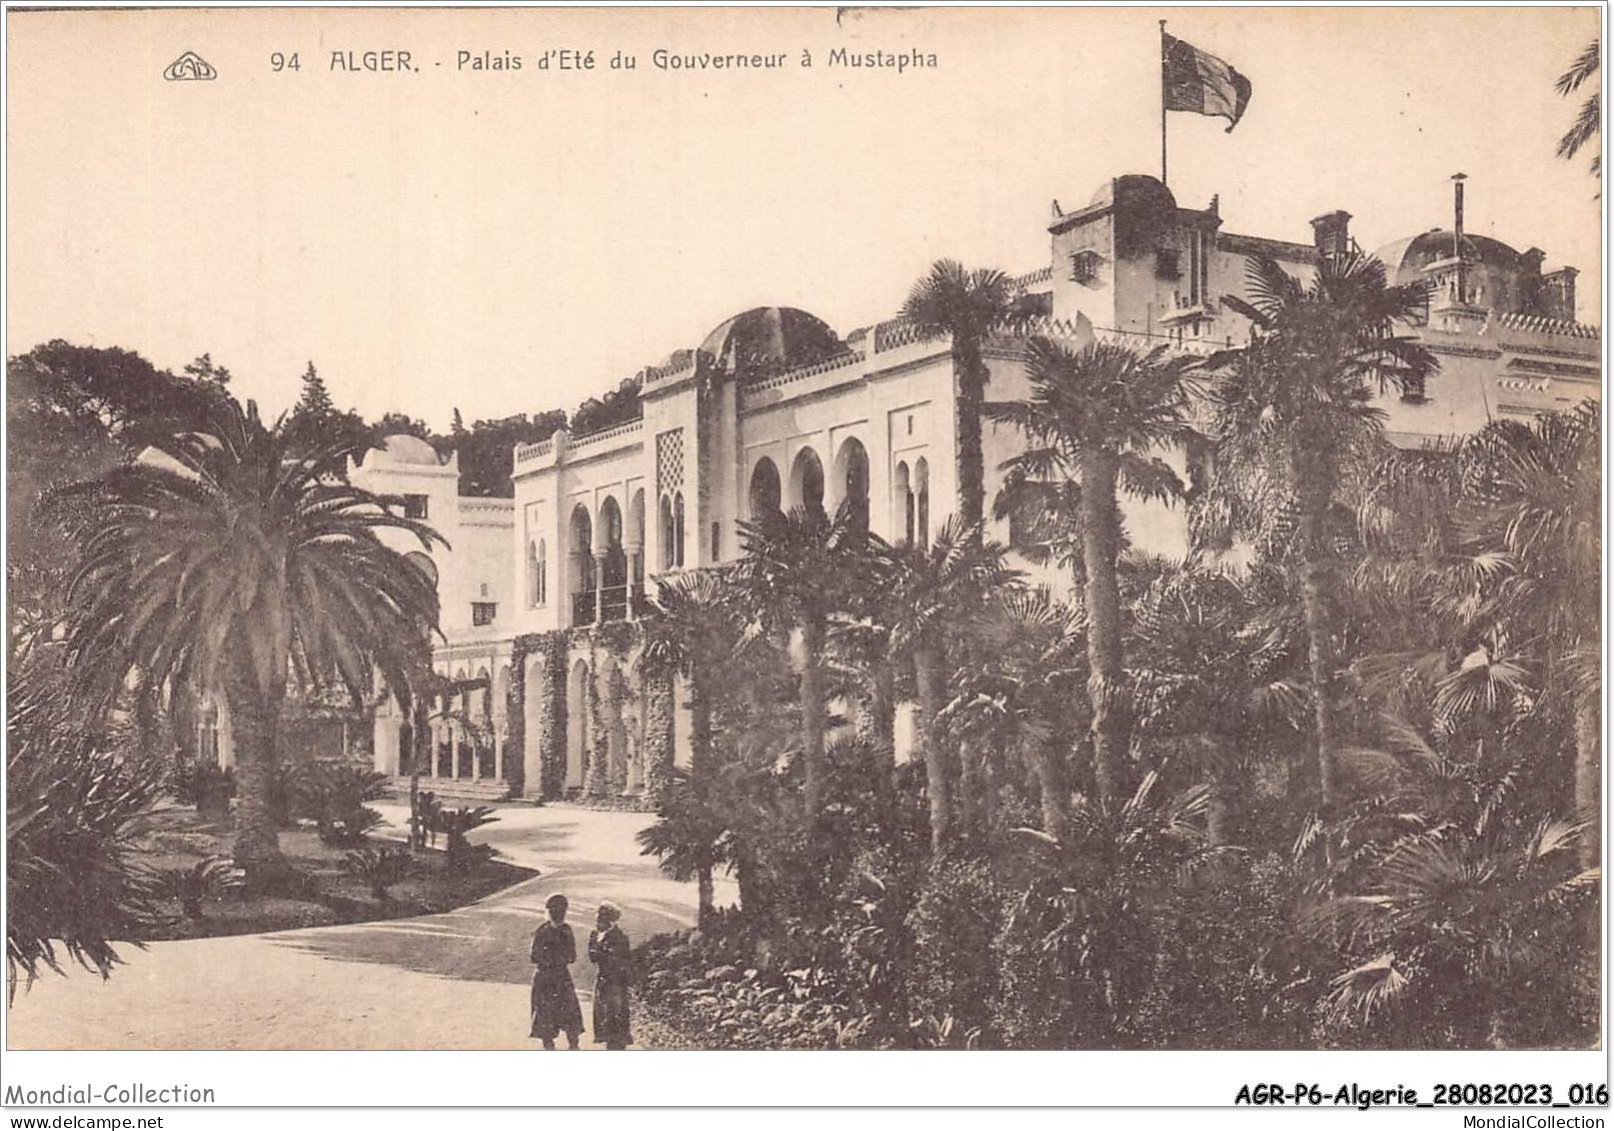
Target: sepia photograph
(891, 530)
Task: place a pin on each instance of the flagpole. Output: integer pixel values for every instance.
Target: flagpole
(1162, 102)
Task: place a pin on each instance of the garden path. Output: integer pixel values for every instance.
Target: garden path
(457, 980)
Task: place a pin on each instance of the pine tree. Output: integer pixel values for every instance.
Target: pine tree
(316, 399)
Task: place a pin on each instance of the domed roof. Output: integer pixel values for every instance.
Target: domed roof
(1133, 189)
(404, 448)
(1404, 260)
(771, 338)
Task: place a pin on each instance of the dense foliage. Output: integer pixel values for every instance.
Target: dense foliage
(1329, 781)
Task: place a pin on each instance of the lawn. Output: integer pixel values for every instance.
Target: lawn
(179, 838)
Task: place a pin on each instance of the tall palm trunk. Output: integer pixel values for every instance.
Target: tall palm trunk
(812, 714)
(1217, 811)
(1106, 685)
(1589, 773)
(706, 905)
(1314, 580)
(700, 767)
(928, 675)
(255, 724)
(971, 788)
(876, 729)
(1053, 790)
(969, 380)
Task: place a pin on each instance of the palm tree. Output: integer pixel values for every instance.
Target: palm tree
(963, 304)
(1080, 938)
(1211, 675)
(926, 593)
(1095, 415)
(1531, 506)
(693, 630)
(1589, 122)
(796, 572)
(1452, 889)
(1019, 690)
(224, 557)
(1292, 413)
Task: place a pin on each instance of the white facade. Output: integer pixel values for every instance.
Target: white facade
(774, 409)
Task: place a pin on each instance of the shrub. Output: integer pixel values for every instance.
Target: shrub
(379, 867)
(1231, 975)
(463, 856)
(335, 795)
(425, 809)
(953, 975)
(205, 785)
(71, 881)
(212, 878)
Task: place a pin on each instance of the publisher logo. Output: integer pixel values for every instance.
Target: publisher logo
(190, 67)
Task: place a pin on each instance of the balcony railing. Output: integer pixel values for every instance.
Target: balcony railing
(608, 604)
(614, 602)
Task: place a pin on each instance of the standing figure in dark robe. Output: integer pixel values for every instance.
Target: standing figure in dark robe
(611, 954)
(554, 1000)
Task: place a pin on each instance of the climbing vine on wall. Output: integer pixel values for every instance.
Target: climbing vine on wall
(550, 647)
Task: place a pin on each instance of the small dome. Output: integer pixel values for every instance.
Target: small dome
(771, 338)
(1404, 260)
(404, 448)
(1134, 189)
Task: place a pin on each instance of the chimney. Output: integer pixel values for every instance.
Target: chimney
(1457, 236)
(1331, 233)
(1529, 289)
(1558, 294)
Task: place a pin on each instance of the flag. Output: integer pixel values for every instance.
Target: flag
(1200, 83)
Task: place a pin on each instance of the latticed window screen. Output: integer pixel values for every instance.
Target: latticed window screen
(670, 461)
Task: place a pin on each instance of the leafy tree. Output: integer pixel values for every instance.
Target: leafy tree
(1589, 122)
(1292, 416)
(963, 304)
(619, 406)
(400, 424)
(1097, 415)
(74, 411)
(487, 450)
(204, 372)
(220, 558)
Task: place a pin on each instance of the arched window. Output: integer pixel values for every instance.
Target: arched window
(678, 530)
(764, 489)
(852, 483)
(664, 530)
(902, 502)
(921, 491)
(807, 481)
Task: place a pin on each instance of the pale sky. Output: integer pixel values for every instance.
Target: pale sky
(517, 241)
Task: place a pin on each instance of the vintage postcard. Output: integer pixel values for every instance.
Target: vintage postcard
(777, 529)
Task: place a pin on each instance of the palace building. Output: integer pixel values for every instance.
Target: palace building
(773, 409)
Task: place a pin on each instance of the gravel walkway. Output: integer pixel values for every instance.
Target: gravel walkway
(458, 980)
